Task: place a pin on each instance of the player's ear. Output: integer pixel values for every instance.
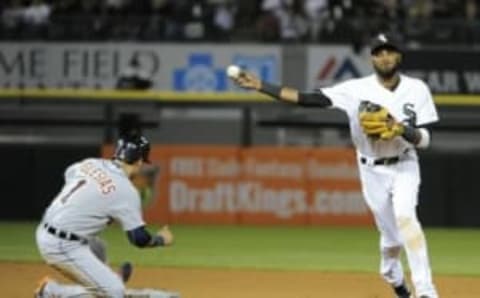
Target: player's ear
(400, 57)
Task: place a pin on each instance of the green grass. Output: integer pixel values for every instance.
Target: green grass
(453, 251)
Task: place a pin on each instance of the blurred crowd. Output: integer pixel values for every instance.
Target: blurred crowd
(427, 21)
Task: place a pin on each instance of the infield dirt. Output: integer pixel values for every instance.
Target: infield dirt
(19, 280)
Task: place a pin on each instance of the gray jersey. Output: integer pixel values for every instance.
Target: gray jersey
(96, 191)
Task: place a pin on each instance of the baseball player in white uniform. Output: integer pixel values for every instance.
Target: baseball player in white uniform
(96, 192)
(387, 162)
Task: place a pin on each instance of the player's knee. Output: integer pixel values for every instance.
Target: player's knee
(411, 232)
(408, 226)
(405, 222)
(98, 248)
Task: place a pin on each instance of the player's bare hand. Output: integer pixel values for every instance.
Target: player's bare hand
(248, 81)
(167, 235)
(243, 78)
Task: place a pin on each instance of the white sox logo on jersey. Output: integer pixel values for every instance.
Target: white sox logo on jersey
(408, 110)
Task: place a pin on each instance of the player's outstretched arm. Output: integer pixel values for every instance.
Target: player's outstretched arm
(249, 81)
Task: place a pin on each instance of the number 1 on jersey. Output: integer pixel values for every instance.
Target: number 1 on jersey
(75, 188)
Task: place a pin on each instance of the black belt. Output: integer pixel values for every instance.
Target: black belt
(382, 161)
(63, 234)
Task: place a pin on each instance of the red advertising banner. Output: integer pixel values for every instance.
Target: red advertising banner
(257, 185)
(201, 184)
(334, 188)
(274, 183)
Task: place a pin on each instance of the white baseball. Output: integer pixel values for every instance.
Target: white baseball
(233, 71)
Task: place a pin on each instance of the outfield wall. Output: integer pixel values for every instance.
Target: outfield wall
(201, 67)
(33, 174)
(194, 103)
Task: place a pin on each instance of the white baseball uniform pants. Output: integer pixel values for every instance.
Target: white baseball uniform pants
(391, 192)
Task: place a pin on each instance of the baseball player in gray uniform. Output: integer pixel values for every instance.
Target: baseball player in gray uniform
(388, 113)
(96, 192)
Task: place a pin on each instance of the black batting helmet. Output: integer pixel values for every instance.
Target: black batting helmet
(131, 150)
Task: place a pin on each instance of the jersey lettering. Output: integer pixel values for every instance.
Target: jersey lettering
(75, 188)
(101, 177)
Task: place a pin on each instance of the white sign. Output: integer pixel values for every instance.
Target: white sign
(175, 67)
(328, 65)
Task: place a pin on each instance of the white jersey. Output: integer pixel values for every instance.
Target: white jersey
(410, 102)
(95, 192)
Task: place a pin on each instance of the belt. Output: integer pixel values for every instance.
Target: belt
(380, 161)
(63, 234)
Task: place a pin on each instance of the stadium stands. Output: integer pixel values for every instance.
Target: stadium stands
(419, 22)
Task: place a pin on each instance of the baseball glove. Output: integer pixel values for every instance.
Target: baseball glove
(377, 123)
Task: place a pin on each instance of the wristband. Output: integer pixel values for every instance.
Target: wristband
(271, 89)
(410, 134)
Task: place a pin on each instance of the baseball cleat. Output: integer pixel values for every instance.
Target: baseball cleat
(402, 291)
(39, 291)
(125, 271)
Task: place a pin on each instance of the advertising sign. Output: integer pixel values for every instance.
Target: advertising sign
(172, 67)
(444, 71)
(257, 185)
(327, 65)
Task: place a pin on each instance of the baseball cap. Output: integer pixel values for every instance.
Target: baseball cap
(383, 40)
